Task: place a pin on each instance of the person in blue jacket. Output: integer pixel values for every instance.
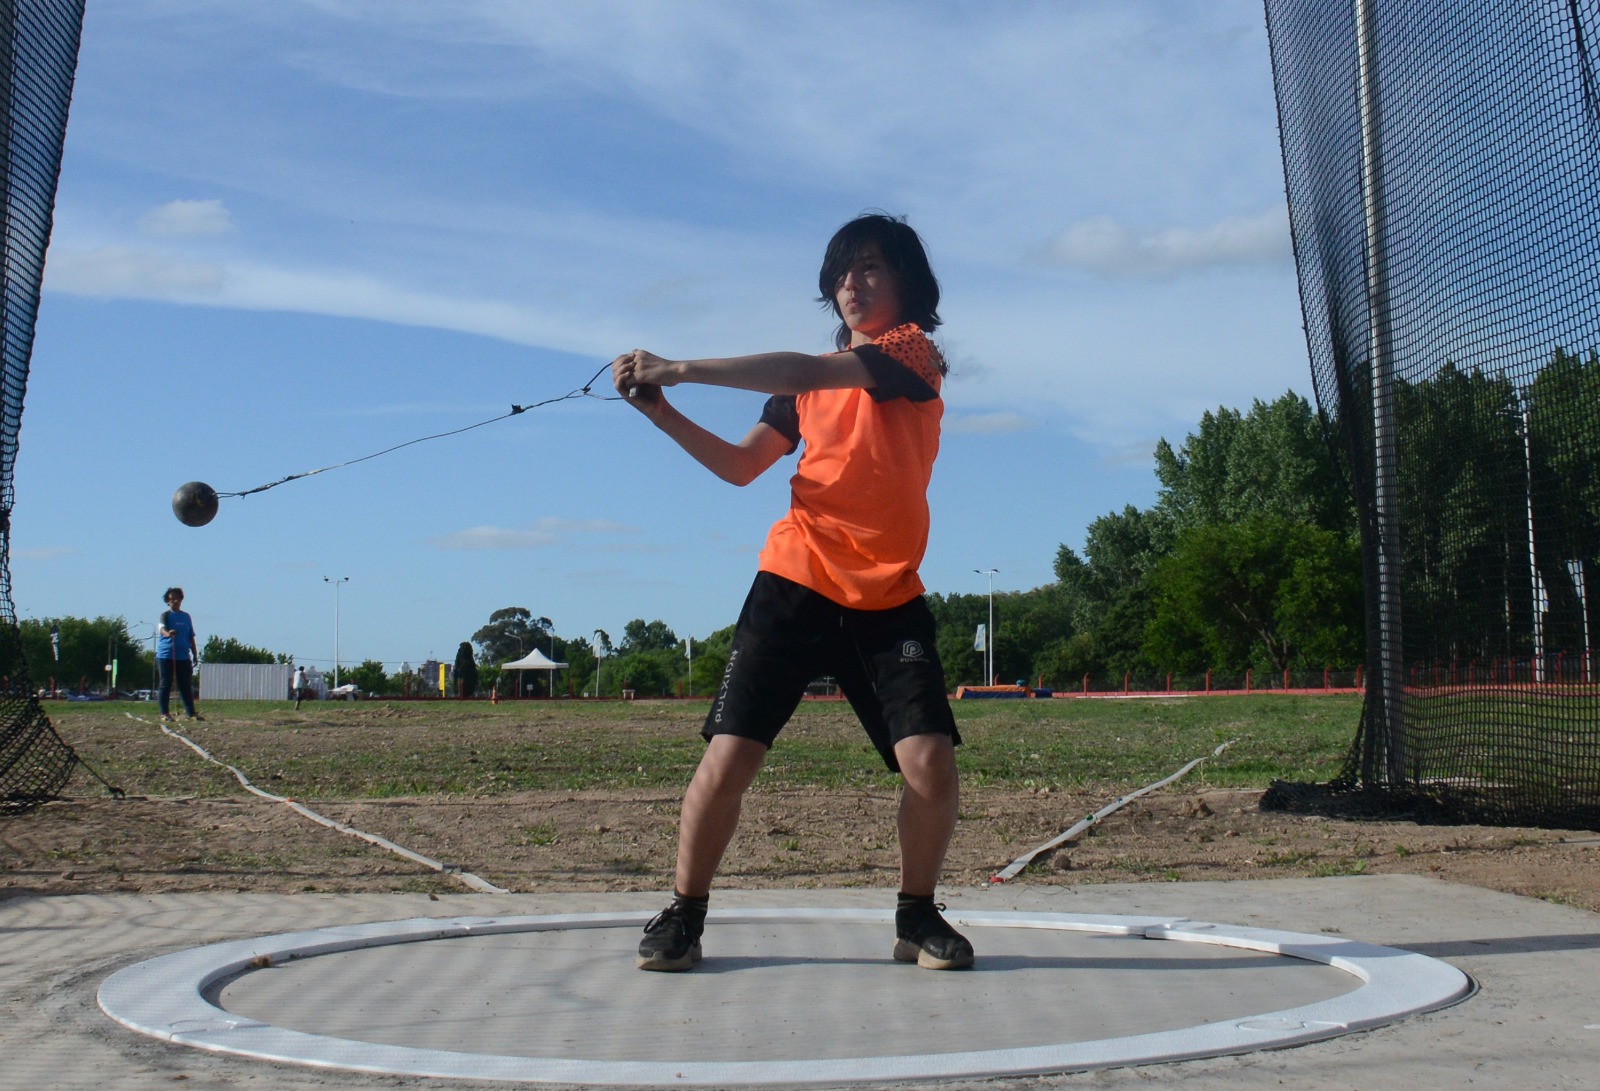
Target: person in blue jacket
(176, 654)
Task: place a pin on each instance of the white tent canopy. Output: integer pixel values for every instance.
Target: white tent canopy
(533, 661)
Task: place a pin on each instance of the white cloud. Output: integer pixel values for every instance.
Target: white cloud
(187, 220)
(548, 531)
(497, 538)
(558, 525)
(1105, 246)
(989, 424)
(125, 271)
(43, 553)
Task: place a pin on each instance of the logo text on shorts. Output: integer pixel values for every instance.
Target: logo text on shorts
(722, 693)
(911, 652)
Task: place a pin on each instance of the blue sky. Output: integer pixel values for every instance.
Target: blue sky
(290, 233)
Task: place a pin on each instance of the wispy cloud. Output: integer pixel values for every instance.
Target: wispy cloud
(585, 526)
(546, 532)
(989, 424)
(495, 538)
(131, 272)
(44, 553)
(187, 220)
(1105, 246)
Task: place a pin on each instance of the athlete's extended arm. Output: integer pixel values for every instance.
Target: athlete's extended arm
(767, 372)
(736, 463)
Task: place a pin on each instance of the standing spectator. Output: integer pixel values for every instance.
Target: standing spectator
(176, 654)
(299, 685)
(466, 671)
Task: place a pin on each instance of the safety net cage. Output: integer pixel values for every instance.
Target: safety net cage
(1442, 162)
(38, 56)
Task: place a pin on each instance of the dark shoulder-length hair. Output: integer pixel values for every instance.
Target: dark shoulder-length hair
(902, 249)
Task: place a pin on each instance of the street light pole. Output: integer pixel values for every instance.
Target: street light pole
(988, 637)
(336, 583)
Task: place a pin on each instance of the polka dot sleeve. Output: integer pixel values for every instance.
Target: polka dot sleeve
(903, 364)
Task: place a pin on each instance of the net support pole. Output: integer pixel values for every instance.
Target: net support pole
(1386, 678)
(1535, 582)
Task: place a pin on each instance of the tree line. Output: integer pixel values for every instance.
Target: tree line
(1249, 559)
(1499, 497)
(74, 653)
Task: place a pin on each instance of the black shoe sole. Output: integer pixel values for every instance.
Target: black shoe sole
(659, 961)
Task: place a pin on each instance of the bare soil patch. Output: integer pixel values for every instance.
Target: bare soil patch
(624, 841)
(192, 827)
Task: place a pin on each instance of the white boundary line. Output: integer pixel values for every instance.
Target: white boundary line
(471, 880)
(165, 998)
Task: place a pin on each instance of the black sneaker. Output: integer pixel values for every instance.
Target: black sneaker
(671, 941)
(922, 936)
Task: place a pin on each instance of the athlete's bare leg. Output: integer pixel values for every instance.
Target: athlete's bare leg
(928, 806)
(711, 809)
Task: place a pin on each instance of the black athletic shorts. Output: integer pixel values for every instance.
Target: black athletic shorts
(884, 661)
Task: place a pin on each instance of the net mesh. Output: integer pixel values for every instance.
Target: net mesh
(1442, 163)
(38, 56)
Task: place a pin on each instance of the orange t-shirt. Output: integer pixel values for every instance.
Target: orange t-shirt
(857, 525)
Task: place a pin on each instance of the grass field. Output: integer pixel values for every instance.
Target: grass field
(376, 750)
(579, 796)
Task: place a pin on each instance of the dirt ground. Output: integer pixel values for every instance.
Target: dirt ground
(587, 841)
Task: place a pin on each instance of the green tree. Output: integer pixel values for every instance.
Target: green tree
(225, 649)
(578, 654)
(644, 636)
(1027, 626)
(957, 618)
(1063, 662)
(1273, 460)
(1267, 593)
(368, 677)
(1462, 491)
(710, 662)
(652, 673)
(1039, 620)
(512, 632)
(650, 661)
(86, 647)
(1104, 593)
(1564, 437)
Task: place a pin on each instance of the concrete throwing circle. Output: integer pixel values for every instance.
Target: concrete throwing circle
(792, 965)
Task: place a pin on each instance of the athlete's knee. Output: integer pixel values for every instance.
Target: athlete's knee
(729, 764)
(928, 763)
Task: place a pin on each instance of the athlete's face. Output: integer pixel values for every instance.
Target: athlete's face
(868, 296)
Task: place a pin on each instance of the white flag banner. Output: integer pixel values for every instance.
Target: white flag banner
(980, 643)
